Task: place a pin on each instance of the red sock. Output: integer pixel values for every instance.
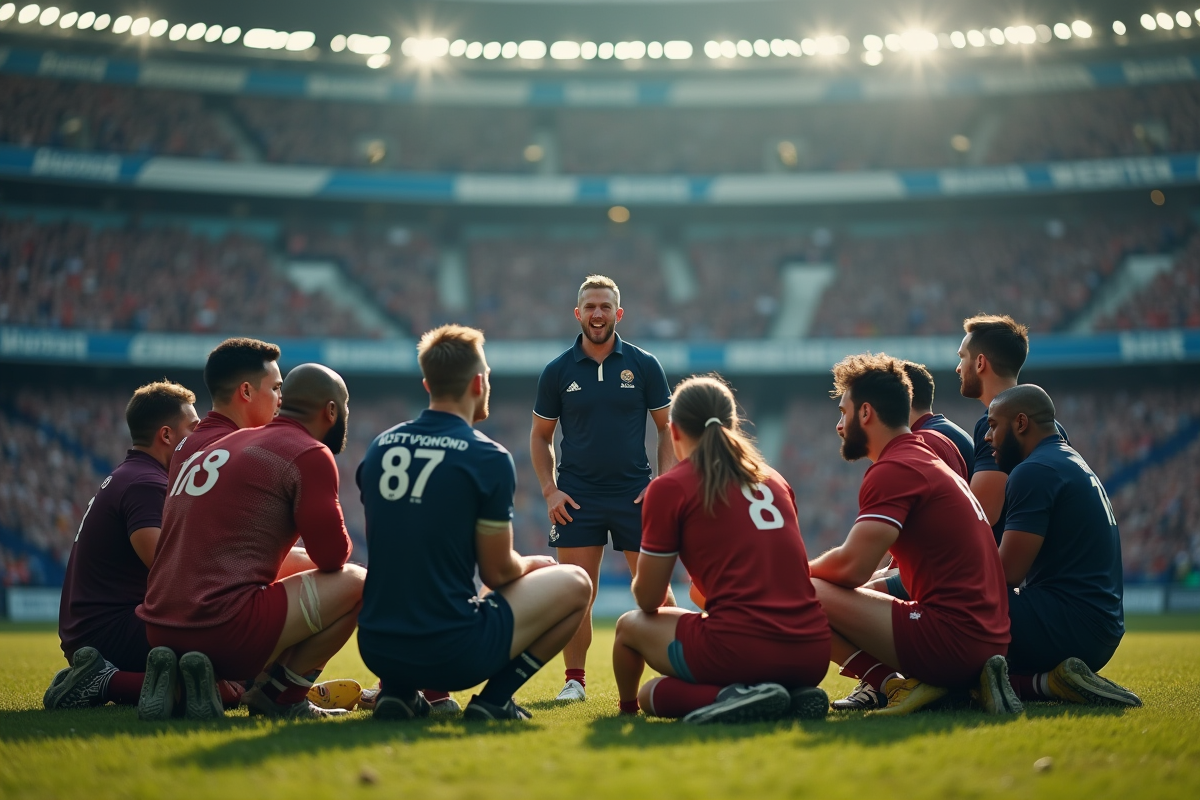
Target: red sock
(628, 706)
(1026, 687)
(866, 667)
(231, 693)
(577, 675)
(672, 697)
(434, 696)
(286, 687)
(124, 688)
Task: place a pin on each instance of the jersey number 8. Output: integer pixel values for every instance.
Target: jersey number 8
(763, 513)
(212, 463)
(393, 483)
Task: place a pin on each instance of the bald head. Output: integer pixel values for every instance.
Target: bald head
(316, 397)
(1028, 399)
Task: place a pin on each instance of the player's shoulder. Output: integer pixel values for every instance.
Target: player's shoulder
(637, 353)
(482, 443)
(560, 362)
(981, 427)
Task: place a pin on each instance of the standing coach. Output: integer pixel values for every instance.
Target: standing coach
(600, 390)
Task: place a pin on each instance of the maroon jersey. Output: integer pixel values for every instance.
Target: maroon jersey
(946, 450)
(232, 514)
(747, 559)
(945, 549)
(215, 425)
(106, 578)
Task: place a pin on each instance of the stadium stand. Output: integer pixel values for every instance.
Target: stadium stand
(1172, 300)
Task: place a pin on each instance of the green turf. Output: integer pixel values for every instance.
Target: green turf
(585, 751)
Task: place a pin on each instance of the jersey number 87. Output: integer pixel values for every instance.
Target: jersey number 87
(394, 482)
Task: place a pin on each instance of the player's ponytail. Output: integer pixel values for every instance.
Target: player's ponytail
(703, 408)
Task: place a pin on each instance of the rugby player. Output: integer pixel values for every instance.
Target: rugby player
(235, 511)
(101, 636)
(989, 361)
(438, 497)
(921, 418)
(907, 654)
(600, 391)
(731, 520)
(1061, 554)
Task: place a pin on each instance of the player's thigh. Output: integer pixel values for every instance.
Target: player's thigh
(861, 616)
(586, 558)
(316, 599)
(295, 562)
(544, 598)
(650, 635)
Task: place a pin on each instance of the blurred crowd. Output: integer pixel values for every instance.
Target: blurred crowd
(58, 445)
(1171, 300)
(912, 133)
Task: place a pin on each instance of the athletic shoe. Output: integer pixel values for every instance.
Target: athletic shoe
(157, 700)
(908, 695)
(1074, 682)
(390, 708)
(81, 686)
(259, 704)
(761, 702)
(367, 700)
(862, 698)
(808, 702)
(200, 695)
(481, 711)
(572, 692)
(341, 693)
(996, 694)
(446, 707)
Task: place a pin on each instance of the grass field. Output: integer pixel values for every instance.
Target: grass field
(585, 751)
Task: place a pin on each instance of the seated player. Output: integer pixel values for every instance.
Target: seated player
(234, 512)
(101, 636)
(731, 520)
(438, 497)
(1061, 554)
(907, 654)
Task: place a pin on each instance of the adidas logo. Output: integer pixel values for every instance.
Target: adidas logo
(574, 387)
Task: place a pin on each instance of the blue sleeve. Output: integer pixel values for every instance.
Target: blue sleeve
(1030, 492)
(985, 456)
(497, 505)
(658, 394)
(548, 404)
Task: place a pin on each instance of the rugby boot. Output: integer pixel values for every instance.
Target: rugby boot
(482, 711)
(808, 702)
(861, 698)
(1074, 682)
(201, 698)
(82, 686)
(996, 694)
(157, 699)
(390, 707)
(760, 702)
(572, 692)
(906, 695)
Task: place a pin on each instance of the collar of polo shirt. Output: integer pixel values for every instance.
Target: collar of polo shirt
(578, 347)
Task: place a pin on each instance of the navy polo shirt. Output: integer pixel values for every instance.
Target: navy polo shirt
(424, 485)
(1054, 494)
(985, 461)
(601, 409)
(961, 439)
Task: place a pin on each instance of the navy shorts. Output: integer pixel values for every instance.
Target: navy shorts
(597, 517)
(122, 642)
(895, 587)
(448, 663)
(1046, 631)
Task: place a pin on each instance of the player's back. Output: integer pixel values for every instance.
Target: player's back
(214, 426)
(228, 522)
(424, 486)
(946, 451)
(957, 436)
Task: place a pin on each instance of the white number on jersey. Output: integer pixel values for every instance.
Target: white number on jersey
(1108, 509)
(966, 489)
(85, 513)
(763, 513)
(211, 465)
(396, 461)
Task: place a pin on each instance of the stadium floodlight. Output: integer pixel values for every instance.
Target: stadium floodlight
(728, 49)
(121, 24)
(634, 50)
(1164, 20)
(841, 45)
(588, 50)
(1183, 19)
(338, 43)
(564, 51)
(958, 39)
(367, 45)
(916, 40)
(510, 50)
(300, 40)
(1010, 33)
(196, 31)
(231, 35)
(48, 16)
(976, 38)
(159, 28)
(214, 33)
(29, 14)
(712, 49)
(761, 48)
(605, 50)
(532, 50)
(102, 22)
(619, 214)
(139, 26)
(1044, 34)
(425, 49)
(654, 50)
(1062, 30)
(7, 10)
(259, 38)
(378, 61)
(1026, 34)
(1119, 28)
(1148, 22)
(872, 43)
(872, 58)
(892, 42)
(177, 32)
(778, 48)
(458, 48)
(997, 36)
(474, 50)
(86, 20)
(793, 48)
(1081, 29)
(491, 50)
(744, 48)
(67, 20)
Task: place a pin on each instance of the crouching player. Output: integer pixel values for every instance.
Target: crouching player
(1061, 554)
(233, 514)
(907, 654)
(731, 520)
(438, 497)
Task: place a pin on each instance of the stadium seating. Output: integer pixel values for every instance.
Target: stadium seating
(1172, 300)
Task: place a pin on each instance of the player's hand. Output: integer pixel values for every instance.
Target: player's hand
(641, 495)
(556, 507)
(533, 563)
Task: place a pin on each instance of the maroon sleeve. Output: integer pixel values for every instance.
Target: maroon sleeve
(142, 505)
(318, 512)
(889, 492)
(662, 517)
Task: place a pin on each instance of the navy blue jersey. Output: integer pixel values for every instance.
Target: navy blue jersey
(601, 409)
(960, 438)
(985, 461)
(1054, 494)
(425, 484)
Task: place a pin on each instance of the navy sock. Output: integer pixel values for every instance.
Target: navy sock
(512, 676)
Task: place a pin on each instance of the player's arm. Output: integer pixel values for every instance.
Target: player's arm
(541, 453)
(652, 580)
(318, 511)
(855, 561)
(144, 541)
(499, 564)
(1018, 549)
(988, 488)
(666, 452)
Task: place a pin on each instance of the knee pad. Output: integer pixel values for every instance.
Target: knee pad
(310, 602)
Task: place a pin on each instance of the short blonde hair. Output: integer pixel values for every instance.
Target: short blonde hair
(598, 282)
(449, 357)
